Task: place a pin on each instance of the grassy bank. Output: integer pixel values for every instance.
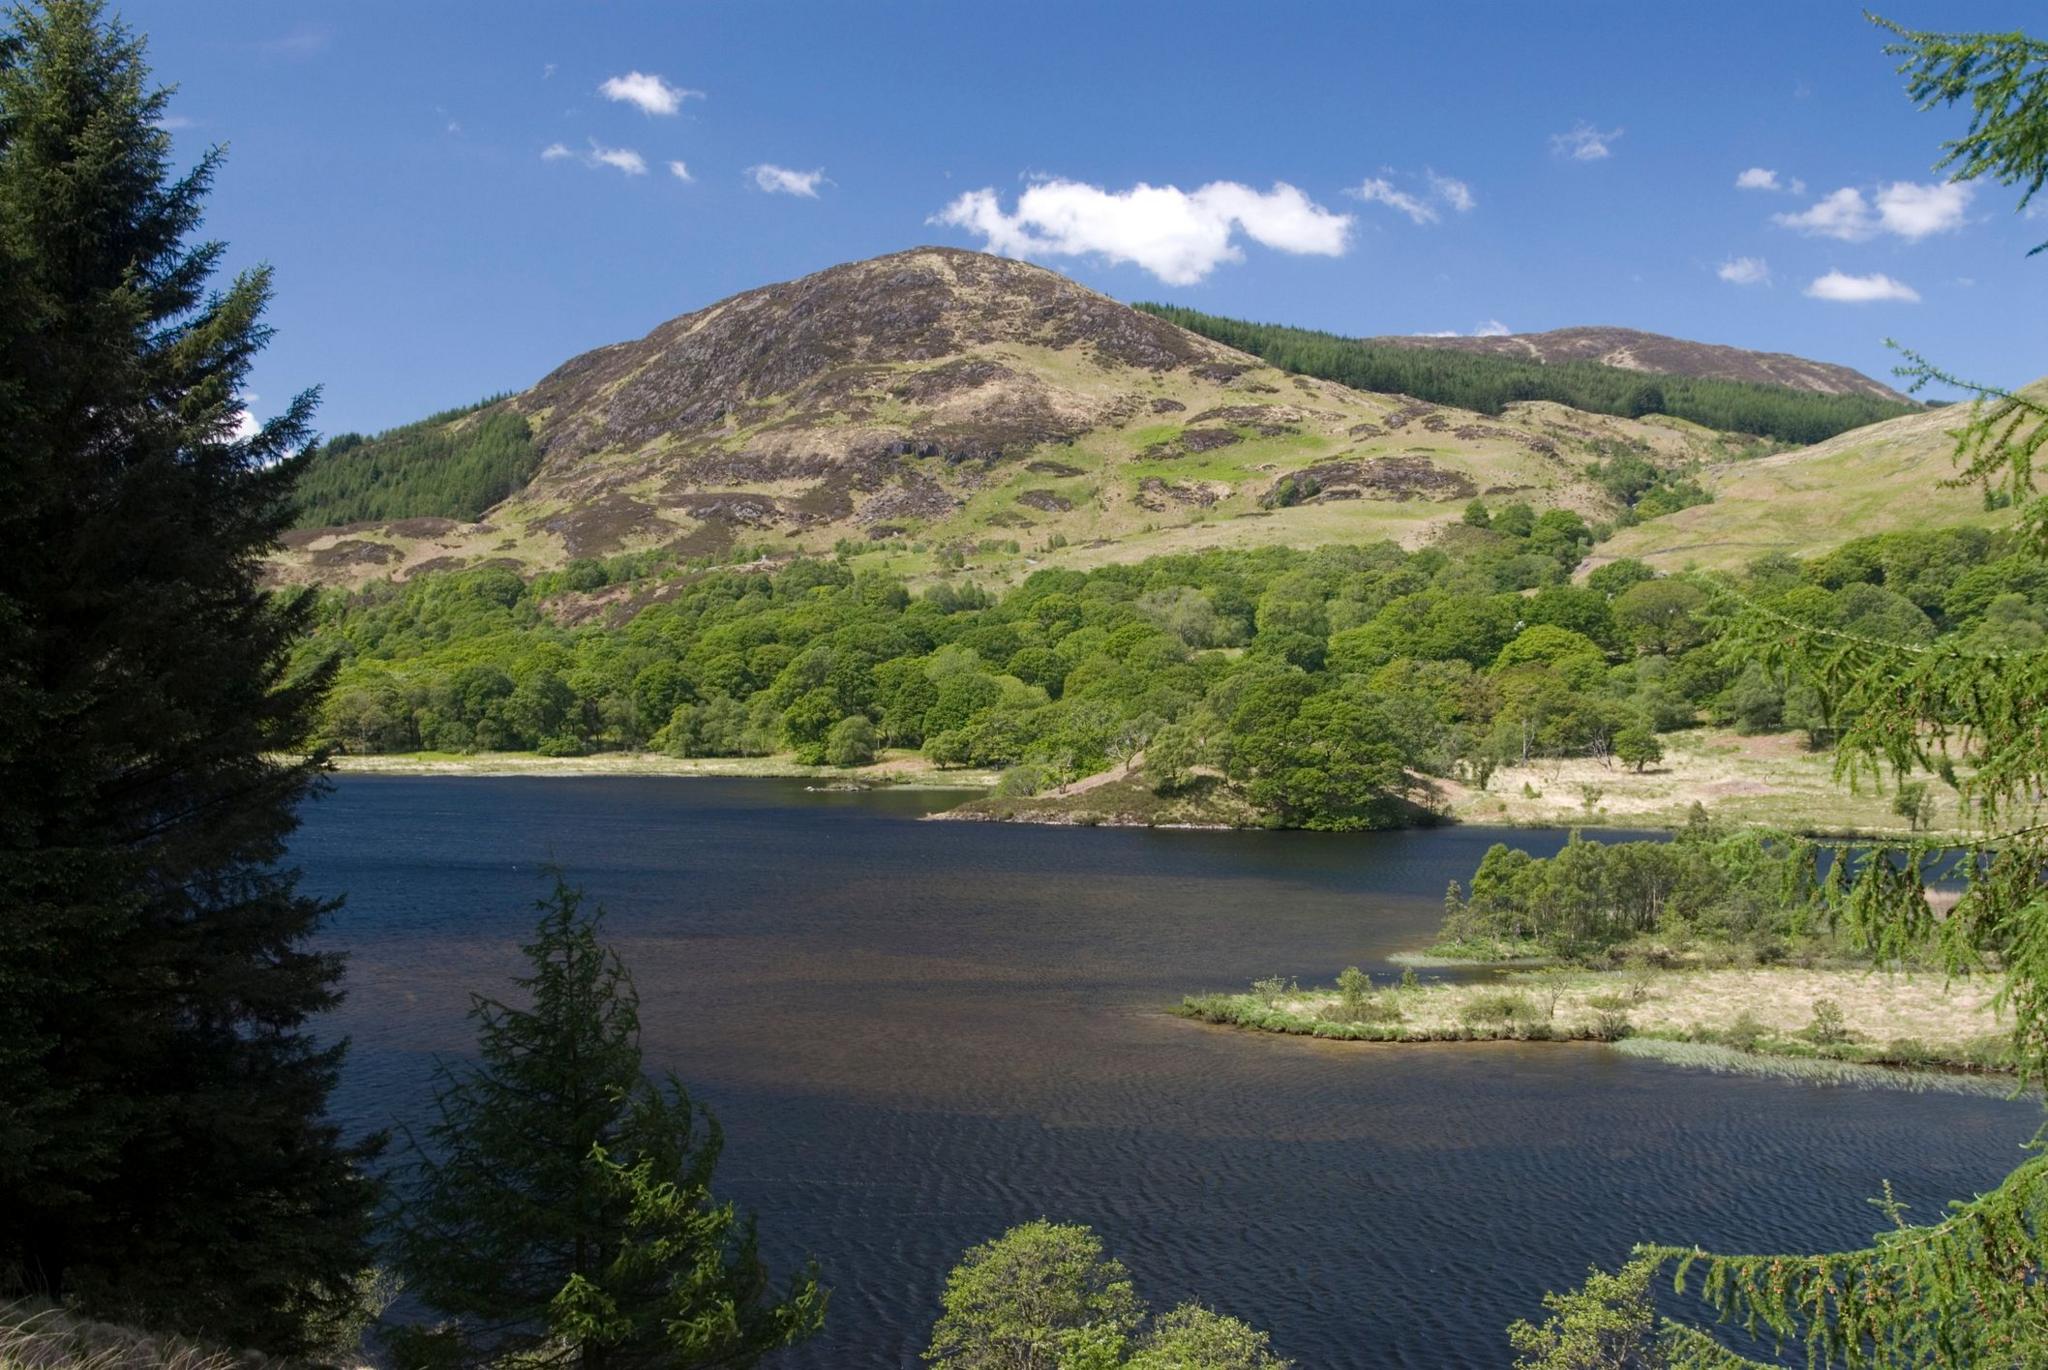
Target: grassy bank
(1848, 1016)
(1766, 781)
(1120, 797)
(1771, 780)
(896, 769)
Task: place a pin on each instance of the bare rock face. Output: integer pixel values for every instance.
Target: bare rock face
(1633, 350)
(840, 345)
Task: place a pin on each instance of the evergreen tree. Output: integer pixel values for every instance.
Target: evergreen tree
(559, 1207)
(163, 1154)
(1966, 1289)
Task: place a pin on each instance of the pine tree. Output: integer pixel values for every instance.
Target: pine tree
(559, 1206)
(1966, 1289)
(162, 1149)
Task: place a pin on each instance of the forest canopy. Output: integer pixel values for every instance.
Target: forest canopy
(453, 465)
(1321, 682)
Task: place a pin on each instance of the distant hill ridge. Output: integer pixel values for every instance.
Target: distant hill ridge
(1632, 349)
(1489, 379)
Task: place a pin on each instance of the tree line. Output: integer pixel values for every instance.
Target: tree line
(1321, 681)
(1488, 384)
(1762, 892)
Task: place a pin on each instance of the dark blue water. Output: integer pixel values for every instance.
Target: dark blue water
(918, 1033)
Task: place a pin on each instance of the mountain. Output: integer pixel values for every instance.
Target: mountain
(1884, 478)
(1633, 350)
(934, 405)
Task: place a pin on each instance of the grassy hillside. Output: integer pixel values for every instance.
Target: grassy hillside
(1885, 478)
(451, 465)
(1489, 384)
(931, 411)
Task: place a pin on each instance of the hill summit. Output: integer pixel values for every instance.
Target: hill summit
(932, 403)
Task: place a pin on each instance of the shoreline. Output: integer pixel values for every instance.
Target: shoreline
(1822, 1024)
(894, 773)
(1116, 798)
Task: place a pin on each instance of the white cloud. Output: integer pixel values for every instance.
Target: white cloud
(1844, 214)
(1488, 328)
(547, 71)
(1759, 178)
(303, 41)
(1585, 143)
(173, 123)
(1179, 236)
(1745, 271)
(1445, 192)
(780, 180)
(652, 94)
(1916, 211)
(680, 172)
(622, 158)
(1379, 190)
(1846, 289)
(246, 424)
(1904, 208)
(1452, 192)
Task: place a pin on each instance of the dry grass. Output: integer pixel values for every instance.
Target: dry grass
(1769, 1014)
(1771, 780)
(1878, 1006)
(37, 1336)
(1883, 478)
(896, 769)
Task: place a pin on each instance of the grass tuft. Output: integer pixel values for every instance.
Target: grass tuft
(39, 1336)
(1812, 1069)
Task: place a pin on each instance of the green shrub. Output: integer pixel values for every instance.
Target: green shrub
(1270, 990)
(851, 742)
(1354, 986)
(1828, 1026)
(1019, 782)
(1610, 1025)
(1745, 1033)
(1499, 1006)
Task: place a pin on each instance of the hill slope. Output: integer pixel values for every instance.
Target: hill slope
(938, 403)
(1489, 382)
(1633, 350)
(1879, 479)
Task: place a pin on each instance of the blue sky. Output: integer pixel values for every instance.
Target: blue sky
(458, 197)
